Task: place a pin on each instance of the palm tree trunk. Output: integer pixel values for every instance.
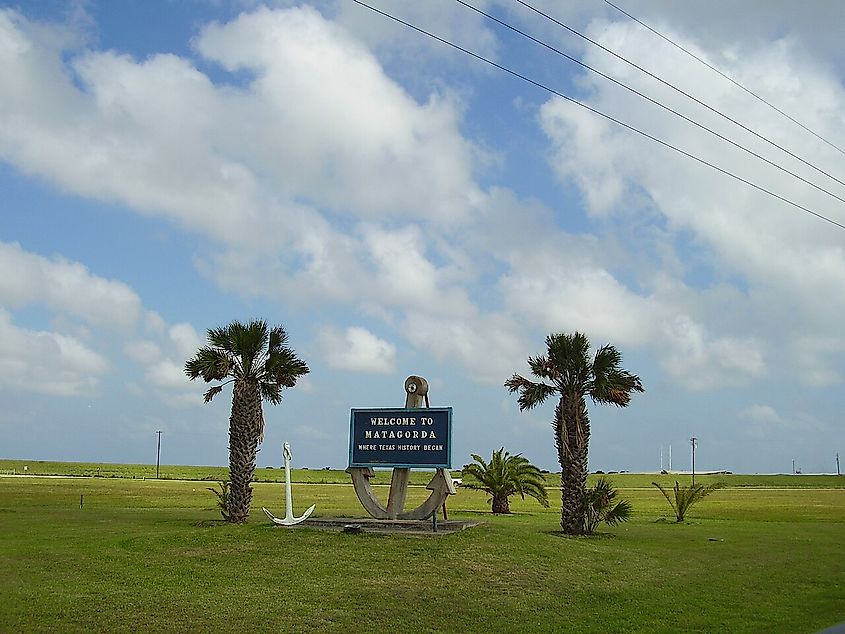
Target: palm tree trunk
(560, 444)
(244, 431)
(500, 504)
(572, 427)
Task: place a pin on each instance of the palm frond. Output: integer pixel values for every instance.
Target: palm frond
(570, 356)
(607, 360)
(210, 364)
(278, 339)
(221, 338)
(283, 367)
(615, 388)
(542, 368)
(210, 394)
(250, 341)
(271, 392)
(530, 394)
(621, 512)
(672, 499)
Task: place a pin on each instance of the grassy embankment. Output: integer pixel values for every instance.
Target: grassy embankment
(330, 476)
(147, 555)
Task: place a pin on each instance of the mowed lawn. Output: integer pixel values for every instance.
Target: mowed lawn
(149, 555)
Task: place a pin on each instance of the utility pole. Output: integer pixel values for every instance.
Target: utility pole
(158, 453)
(670, 458)
(692, 441)
(793, 466)
(837, 464)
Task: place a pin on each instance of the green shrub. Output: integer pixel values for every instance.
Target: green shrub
(222, 498)
(684, 497)
(600, 505)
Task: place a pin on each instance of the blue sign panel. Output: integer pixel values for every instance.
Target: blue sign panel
(401, 438)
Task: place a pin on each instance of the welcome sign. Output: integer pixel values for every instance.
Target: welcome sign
(401, 438)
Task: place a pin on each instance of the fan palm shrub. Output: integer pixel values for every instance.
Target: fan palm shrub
(505, 475)
(572, 377)
(601, 505)
(683, 498)
(222, 495)
(258, 363)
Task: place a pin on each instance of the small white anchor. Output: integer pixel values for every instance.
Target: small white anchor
(288, 519)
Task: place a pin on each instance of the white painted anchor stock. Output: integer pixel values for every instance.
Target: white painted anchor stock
(288, 519)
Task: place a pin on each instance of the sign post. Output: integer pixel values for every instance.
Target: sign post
(413, 437)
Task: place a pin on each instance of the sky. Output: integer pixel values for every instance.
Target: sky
(400, 208)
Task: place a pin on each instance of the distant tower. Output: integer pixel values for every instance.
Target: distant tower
(670, 457)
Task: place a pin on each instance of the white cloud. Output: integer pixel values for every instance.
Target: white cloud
(816, 358)
(357, 350)
(325, 174)
(154, 322)
(168, 374)
(587, 299)
(163, 364)
(64, 286)
(780, 260)
(184, 341)
(731, 29)
(700, 362)
(443, 17)
(764, 421)
(145, 352)
(761, 413)
(326, 121)
(489, 346)
(320, 122)
(47, 362)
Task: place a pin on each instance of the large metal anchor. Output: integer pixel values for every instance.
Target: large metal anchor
(441, 485)
(288, 519)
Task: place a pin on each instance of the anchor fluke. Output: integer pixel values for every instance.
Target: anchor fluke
(289, 521)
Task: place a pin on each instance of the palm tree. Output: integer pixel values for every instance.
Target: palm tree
(573, 377)
(684, 497)
(503, 477)
(260, 364)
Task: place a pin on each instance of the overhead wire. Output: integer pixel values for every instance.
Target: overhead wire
(581, 104)
(653, 101)
(725, 75)
(676, 89)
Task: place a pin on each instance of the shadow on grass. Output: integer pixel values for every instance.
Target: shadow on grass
(211, 523)
(491, 513)
(596, 536)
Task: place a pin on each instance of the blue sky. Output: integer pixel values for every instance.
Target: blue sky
(400, 208)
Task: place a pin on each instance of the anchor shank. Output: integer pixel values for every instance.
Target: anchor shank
(398, 491)
(288, 494)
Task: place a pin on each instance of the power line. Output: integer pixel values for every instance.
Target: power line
(725, 75)
(596, 111)
(678, 90)
(654, 101)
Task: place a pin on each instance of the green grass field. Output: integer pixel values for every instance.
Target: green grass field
(149, 555)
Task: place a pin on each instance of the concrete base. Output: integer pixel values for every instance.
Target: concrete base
(369, 525)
